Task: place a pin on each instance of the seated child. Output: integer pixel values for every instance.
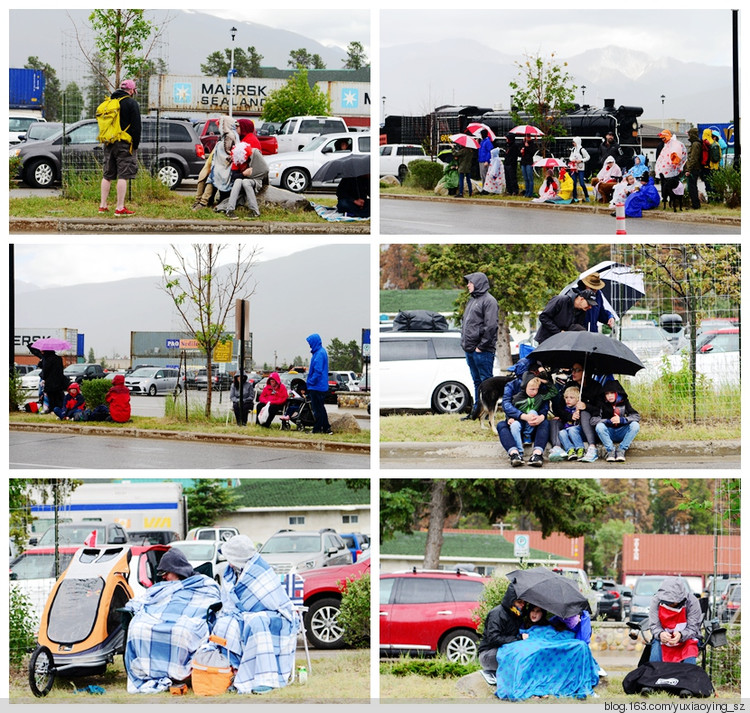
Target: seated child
(73, 404)
(118, 400)
(616, 422)
(567, 427)
(532, 399)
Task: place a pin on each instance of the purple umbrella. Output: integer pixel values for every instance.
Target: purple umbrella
(51, 344)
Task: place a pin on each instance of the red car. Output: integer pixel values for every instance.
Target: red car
(430, 611)
(210, 135)
(322, 597)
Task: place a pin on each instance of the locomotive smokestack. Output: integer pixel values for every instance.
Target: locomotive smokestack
(609, 103)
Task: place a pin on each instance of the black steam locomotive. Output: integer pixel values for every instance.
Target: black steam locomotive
(433, 131)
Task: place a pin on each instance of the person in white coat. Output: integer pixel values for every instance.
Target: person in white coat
(578, 158)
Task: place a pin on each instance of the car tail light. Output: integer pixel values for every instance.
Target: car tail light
(199, 151)
(615, 594)
(358, 553)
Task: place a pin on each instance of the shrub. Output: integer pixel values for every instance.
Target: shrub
(14, 167)
(95, 391)
(15, 393)
(726, 182)
(423, 174)
(492, 596)
(354, 615)
(437, 667)
(83, 183)
(22, 625)
(726, 661)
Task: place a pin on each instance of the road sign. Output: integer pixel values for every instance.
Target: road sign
(173, 343)
(521, 546)
(223, 351)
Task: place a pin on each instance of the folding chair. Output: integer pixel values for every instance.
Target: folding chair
(295, 589)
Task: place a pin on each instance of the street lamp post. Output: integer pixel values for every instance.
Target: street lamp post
(583, 94)
(231, 71)
(383, 99)
(662, 110)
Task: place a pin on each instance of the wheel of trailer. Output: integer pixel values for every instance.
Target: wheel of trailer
(41, 672)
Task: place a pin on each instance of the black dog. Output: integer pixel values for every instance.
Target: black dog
(669, 197)
(491, 398)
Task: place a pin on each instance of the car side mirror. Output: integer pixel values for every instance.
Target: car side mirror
(327, 149)
(33, 541)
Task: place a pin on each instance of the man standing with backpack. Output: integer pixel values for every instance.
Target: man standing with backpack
(119, 119)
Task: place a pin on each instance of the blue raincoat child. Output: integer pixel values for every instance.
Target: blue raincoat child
(644, 199)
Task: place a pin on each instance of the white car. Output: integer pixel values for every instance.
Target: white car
(19, 125)
(30, 381)
(394, 159)
(198, 552)
(294, 170)
(425, 370)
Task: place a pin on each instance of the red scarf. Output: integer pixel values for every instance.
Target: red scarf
(672, 620)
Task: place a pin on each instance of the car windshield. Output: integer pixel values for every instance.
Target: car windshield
(317, 142)
(292, 544)
(197, 551)
(647, 587)
(38, 566)
(143, 373)
(73, 534)
(75, 369)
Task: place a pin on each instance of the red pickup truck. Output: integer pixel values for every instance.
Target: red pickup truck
(210, 135)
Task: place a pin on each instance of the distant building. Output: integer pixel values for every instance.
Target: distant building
(165, 349)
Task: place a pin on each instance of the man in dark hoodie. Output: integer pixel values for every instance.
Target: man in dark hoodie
(616, 422)
(502, 626)
(120, 162)
(693, 167)
(479, 332)
(564, 313)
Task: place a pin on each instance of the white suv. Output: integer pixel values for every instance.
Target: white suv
(425, 370)
(394, 159)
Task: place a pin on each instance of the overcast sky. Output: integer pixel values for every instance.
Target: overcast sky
(680, 33)
(80, 261)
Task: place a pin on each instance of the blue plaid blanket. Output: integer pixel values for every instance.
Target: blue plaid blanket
(259, 624)
(331, 214)
(168, 626)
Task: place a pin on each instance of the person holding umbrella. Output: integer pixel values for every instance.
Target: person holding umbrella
(55, 381)
(465, 158)
(510, 163)
(353, 195)
(501, 626)
(484, 156)
(528, 150)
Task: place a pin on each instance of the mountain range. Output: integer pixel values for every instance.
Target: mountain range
(418, 77)
(324, 289)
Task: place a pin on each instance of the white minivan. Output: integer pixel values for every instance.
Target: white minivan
(425, 370)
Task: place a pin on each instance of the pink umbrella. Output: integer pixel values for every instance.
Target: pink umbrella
(526, 129)
(476, 128)
(549, 163)
(52, 344)
(465, 140)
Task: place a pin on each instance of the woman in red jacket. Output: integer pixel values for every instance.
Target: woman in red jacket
(275, 395)
(118, 400)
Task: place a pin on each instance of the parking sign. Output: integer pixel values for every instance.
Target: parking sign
(521, 546)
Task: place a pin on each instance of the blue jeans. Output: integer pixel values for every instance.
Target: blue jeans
(522, 432)
(579, 180)
(528, 180)
(461, 183)
(509, 443)
(655, 654)
(571, 438)
(480, 366)
(624, 435)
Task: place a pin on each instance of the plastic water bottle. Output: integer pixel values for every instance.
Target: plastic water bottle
(302, 674)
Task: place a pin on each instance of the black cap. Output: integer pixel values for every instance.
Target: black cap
(589, 296)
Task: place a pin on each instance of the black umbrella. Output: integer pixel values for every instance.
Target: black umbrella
(546, 589)
(352, 166)
(602, 354)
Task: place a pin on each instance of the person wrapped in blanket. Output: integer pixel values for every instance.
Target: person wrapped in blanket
(674, 620)
(169, 624)
(257, 620)
(549, 660)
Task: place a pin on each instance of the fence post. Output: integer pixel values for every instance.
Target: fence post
(620, 217)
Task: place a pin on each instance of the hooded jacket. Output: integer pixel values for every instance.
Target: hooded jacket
(503, 623)
(559, 315)
(645, 198)
(317, 374)
(539, 403)
(276, 394)
(605, 410)
(708, 139)
(479, 324)
(674, 590)
(512, 151)
(638, 169)
(579, 155)
(118, 400)
(695, 152)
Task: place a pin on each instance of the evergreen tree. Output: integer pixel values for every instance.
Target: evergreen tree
(247, 63)
(355, 56)
(52, 90)
(207, 501)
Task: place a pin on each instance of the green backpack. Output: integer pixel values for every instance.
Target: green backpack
(714, 152)
(108, 118)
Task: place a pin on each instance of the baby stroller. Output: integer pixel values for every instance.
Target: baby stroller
(298, 409)
(80, 631)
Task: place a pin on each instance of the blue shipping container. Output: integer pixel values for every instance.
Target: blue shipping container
(26, 88)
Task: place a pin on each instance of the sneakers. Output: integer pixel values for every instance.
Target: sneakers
(611, 458)
(124, 212)
(232, 215)
(619, 455)
(104, 210)
(580, 452)
(590, 456)
(536, 460)
(471, 416)
(557, 454)
(515, 459)
(571, 454)
(198, 205)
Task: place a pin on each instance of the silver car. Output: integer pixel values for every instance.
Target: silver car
(153, 380)
(297, 550)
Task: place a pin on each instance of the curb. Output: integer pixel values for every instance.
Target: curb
(197, 437)
(140, 225)
(596, 208)
(484, 451)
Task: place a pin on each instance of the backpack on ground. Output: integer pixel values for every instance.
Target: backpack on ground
(108, 118)
(669, 677)
(714, 152)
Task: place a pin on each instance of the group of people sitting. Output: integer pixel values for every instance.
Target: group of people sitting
(533, 654)
(275, 399)
(235, 167)
(248, 620)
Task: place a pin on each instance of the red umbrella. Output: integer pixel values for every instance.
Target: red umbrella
(526, 129)
(476, 128)
(549, 163)
(465, 140)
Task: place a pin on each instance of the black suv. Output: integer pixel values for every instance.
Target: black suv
(169, 148)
